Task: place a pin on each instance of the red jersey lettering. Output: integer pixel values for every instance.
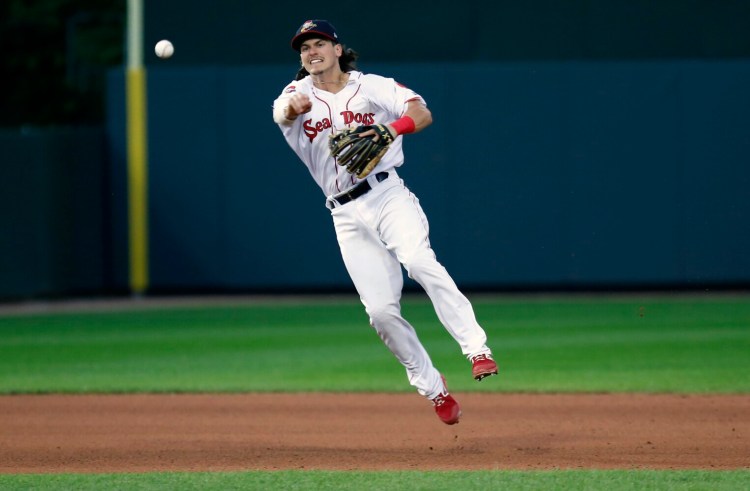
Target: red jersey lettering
(312, 130)
(365, 119)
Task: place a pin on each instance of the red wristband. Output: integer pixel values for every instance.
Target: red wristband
(404, 125)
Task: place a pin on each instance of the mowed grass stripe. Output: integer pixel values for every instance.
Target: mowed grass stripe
(612, 480)
(630, 343)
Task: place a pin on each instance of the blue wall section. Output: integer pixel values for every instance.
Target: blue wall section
(52, 223)
(577, 144)
(534, 174)
(231, 207)
(240, 32)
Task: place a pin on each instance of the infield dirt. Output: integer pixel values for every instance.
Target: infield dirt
(211, 432)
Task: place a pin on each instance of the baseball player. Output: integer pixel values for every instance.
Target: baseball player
(379, 223)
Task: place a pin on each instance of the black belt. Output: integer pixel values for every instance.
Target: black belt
(357, 191)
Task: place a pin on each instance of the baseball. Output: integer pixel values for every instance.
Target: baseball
(164, 49)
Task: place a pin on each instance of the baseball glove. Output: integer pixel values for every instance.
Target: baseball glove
(360, 154)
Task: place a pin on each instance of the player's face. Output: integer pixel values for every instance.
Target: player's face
(319, 55)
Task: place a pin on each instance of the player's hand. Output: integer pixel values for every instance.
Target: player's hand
(376, 134)
(298, 104)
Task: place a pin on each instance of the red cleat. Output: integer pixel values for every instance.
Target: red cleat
(483, 366)
(447, 408)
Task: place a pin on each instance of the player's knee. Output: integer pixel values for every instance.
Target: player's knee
(383, 314)
(421, 261)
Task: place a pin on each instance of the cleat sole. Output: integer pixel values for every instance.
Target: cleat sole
(481, 376)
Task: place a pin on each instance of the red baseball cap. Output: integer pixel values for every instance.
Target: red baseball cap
(317, 28)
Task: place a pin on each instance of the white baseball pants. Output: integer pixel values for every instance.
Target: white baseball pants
(377, 233)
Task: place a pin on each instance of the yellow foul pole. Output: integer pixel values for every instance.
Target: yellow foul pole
(137, 151)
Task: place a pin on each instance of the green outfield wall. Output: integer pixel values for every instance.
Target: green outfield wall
(625, 174)
(578, 174)
(577, 144)
(54, 218)
(239, 32)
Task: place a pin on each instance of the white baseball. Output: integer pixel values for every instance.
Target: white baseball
(164, 49)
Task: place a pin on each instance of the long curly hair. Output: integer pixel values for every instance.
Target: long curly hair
(347, 62)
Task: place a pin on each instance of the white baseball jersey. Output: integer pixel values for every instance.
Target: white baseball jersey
(384, 228)
(366, 99)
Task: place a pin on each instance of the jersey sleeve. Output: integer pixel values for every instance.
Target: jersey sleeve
(391, 95)
(281, 101)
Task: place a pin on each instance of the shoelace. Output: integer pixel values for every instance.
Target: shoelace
(439, 400)
(481, 358)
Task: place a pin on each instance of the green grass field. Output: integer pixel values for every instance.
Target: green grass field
(629, 343)
(427, 481)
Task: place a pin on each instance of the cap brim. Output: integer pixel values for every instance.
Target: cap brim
(299, 38)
